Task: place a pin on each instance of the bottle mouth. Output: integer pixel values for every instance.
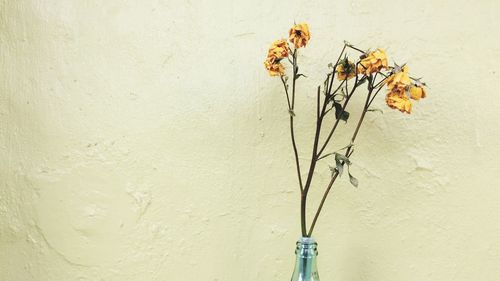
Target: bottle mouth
(306, 241)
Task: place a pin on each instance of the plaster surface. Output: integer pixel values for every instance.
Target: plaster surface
(143, 140)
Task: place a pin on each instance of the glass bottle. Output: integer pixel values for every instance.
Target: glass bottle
(305, 263)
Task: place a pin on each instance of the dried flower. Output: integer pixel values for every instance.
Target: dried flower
(345, 70)
(372, 67)
(417, 92)
(399, 79)
(278, 49)
(274, 67)
(398, 100)
(373, 62)
(299, 35)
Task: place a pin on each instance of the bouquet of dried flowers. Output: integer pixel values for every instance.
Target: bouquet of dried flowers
(370, 69)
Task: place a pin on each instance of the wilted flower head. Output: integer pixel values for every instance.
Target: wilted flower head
(274, 67)
(299, 35)
(398, 100)
(401, 89)
(399, 78)
(373, 62)
(417, 92)
(278, 49)
(345, 69)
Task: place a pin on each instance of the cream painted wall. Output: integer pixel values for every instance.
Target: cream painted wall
(143, 140)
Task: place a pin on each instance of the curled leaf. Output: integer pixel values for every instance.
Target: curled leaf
(298, 75)
(339, 112)
(339, 166)
(353, 180)
(343, 158)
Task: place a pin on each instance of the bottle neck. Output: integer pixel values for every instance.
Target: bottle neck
(306, 248)
(305, 264)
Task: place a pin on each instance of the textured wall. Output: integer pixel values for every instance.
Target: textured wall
(143, 140)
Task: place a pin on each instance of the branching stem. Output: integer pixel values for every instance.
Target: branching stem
(347, 154)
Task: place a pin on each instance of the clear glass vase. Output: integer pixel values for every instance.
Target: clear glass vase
(305, 262)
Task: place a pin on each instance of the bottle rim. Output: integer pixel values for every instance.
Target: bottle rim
(306, 241)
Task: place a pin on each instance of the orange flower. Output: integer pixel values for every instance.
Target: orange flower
(278, 49)
(399, 79)
(345, 70)
(398, 100)
(373, 62)
(274, 67)
(417, 92)
(299, 35)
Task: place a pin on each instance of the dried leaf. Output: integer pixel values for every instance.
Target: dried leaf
(298, 75)
(343, 158)
(362, 80)
(376, 110)
(340, 167)
(347, 146)
(354, 181)
(339, 112)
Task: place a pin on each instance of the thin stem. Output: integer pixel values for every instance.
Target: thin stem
(286, 93)
(318, 104)
(322, 203)
(319, 121)
(296, 153)
(374, 96)
(303, 224)
(381, 81)
(312, 166)
(294, 77)
(349, 95)
(354, 48)
(332, 95)
(348, 153)
(326, 155)
(292, 133)
(334, 67)
(314, 159)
